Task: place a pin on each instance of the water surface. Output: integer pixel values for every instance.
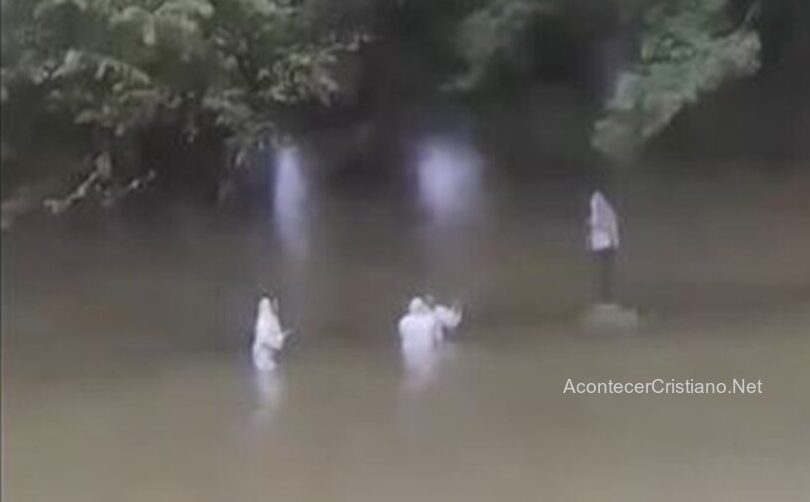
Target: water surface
(126, 369)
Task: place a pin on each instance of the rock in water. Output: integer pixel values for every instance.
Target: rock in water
(610, 317)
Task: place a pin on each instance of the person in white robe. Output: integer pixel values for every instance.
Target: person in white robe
(603, 244)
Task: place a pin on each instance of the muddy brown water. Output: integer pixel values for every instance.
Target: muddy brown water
(126, 375)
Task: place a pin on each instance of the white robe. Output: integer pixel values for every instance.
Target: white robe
(420, 334)
(603, 224)
(268, 337)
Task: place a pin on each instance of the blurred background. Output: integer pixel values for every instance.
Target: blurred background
(166, 162)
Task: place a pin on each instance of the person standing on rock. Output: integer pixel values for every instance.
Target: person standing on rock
(603, 244)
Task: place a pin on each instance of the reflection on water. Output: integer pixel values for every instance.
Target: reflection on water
(123, 380)
(452, 197)
(424, 365)
(420, 364)
(290, 200)
(449, 179)
(269, 393)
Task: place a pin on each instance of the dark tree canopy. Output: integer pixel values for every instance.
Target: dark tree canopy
(120, 65)
(238, 69)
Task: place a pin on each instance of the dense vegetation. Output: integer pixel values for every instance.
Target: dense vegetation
(121, 67)
(237, 72)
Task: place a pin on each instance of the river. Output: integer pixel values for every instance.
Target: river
(126, 370)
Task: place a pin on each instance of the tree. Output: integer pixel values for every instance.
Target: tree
(121, 66)
(493, 33)
(688, 48)
(233, 69)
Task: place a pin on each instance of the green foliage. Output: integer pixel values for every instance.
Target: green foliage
(493, 33)
(121, 65)
(688, 48)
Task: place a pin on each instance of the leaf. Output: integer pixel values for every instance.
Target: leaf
(686, 52)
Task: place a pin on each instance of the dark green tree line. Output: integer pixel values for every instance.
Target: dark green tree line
(239, 67)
